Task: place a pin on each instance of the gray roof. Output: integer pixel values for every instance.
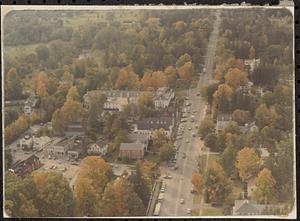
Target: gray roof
(244, 207)
(132, 146)
(141, 137)
(154, 123)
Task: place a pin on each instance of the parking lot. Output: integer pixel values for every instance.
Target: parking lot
(68, 170)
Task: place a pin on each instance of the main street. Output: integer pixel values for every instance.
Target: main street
(179, 186)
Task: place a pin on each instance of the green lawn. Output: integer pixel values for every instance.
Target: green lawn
(152, 157)
(19, 50)
(197, 199)
(212, 211)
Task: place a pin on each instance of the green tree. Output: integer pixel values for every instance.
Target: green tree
(144, 178)
(210, 141)
(145, 105)
(265, 116)
(42, 52)
(13, 85)
(206, 127)
(264, 187)
(95, 110)
(58, 122)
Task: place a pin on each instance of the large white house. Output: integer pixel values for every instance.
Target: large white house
(117, 99)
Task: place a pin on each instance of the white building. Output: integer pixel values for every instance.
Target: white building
(98, 148)
(251, 64)
(117, 99)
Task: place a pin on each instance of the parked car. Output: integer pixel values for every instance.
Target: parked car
(181, 201)
(175, 167)
(189, 211)
(184, 156)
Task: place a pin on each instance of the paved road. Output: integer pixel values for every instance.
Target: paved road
(180, 185)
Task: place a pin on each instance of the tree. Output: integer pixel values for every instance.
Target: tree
(241, 117)
(54, 197)
(72, 110)
(210, 141)
(144, 178)
(197, 181)
(251, 53)
(145, 105)
(42, 52)
(13, 85)
(58, 122)
(171, 75)
(154, 80)
(265, 116)
(186, 71)
(95, 110)
(222, 98)
(217, 185)
(183, 59)
(208, 91)
(247, 162)
(94, 174)
(235, 77)
(73, 94)
(206, 127)
(127, 79)
(166, 152)
(159, 138)
(265, 75)
(119, 199)
(264, 187)
(228, 158)
(20, 196)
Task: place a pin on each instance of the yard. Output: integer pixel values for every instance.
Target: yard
(212, 211)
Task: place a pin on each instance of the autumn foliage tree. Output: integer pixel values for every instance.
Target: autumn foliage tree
(235, 77)
(247, 163)
(186, 71)
(198, 182)
(53, 191)
(127, 79)
(154, 80)
(222, 98)
(217, 185)
(119, 199)
(265, 116)
(93, 177)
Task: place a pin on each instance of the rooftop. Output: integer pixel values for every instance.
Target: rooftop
(132, 146)
(154, 123)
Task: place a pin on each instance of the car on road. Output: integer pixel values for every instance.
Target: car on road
(170, 177)
(74, 163)
(194, 134)
(198, 94)
(193, 190)
(175, 167)
(189, 211)
(181, 201)
(162, 190)
(166, 176)
(187, 141)
(190, 128)
(26, 153)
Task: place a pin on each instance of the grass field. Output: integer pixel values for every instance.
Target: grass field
(18, 51)
(212, 211)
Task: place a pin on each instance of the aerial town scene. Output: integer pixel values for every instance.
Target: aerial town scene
(154, 112)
